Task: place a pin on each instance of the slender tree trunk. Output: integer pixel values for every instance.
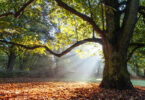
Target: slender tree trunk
(115, 74)
(137, 69)
(22, 63)
(11, 61)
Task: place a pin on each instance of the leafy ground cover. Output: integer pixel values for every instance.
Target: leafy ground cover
(28, 89)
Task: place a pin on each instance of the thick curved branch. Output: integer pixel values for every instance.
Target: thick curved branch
(6, 14)
(18, 13)
(130, 16)
(129, 21)
(137, 46)
(83, 16)
(50, 51)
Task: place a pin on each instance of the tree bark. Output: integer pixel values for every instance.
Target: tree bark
(116, 43)
(11, 61)
(137, 69)
(22, 63)
(115, 74)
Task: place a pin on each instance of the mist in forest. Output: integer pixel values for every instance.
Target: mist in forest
(83, 63)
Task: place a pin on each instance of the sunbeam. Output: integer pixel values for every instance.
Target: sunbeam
(85, 63)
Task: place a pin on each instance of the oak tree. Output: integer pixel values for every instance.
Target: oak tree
(113, 23)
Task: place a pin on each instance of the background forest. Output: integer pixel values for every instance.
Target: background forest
(35, 26)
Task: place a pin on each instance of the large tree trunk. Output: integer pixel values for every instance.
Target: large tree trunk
(115, 45)
(11, 61)
(115, 74)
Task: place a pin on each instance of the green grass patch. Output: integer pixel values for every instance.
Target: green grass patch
(138, 82)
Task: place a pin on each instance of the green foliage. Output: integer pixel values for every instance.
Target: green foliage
(138, 56)
(29, 29)
(21, 30)
(33, 26)
(72, 28)
(89, 50)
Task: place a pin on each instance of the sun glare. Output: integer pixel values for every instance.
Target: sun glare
(85, 64)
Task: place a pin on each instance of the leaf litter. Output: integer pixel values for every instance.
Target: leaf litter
(56, 90)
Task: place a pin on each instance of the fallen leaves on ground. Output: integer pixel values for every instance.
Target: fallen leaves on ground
(65, 91)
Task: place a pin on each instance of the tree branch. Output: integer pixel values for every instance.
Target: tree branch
(6, 14)
(18, 13)
(129, 21)
(50, 51)
(130, 15)
(83, 16)
(137, 46)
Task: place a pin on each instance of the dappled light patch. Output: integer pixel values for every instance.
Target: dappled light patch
(65, 90)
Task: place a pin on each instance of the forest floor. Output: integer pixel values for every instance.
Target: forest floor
(32, 89)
